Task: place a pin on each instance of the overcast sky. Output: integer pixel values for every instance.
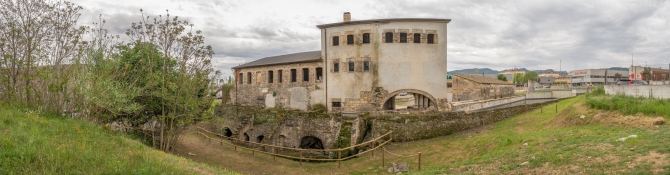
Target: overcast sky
(482, 34)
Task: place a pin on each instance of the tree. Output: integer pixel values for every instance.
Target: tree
(646, 73)
(617, 76)
(502, 77)
(531, 76)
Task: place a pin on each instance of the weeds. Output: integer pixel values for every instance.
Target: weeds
(628, 105)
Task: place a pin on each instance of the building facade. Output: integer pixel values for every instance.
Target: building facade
(657, 74)
(473, 87)
(597, 77)
(513, 72)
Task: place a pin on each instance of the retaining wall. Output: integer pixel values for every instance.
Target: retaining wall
(662, 92)
(552, 94)
(480, 104)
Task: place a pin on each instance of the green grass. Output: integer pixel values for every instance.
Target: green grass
(35, 142)
(628, 105)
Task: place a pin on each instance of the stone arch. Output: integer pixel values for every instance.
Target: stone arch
(246, 137)
(413, 91)
(227, 132)
(311, 142)
(260, 138)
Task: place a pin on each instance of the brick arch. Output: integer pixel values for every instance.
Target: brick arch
(413, 91)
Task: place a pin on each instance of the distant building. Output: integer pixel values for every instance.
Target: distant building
(596, 77)
(550, 73)
(563, 79)
(513, 72)
(472, 87)
(547, 80)
(657, 74)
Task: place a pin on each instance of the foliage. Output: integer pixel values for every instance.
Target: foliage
(628, 105)
(519, 79)
(617, 76)
(531, 76)
(646, 73)
(42, 142)
(502, 77)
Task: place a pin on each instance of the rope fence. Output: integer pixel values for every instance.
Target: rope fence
(374, 144)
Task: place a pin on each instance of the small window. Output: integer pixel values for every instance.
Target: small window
(366, 38)
(241, 78)
(293, 75)
(403, 37)
(389, 37)
(417, 38)
(351, 66)
(280, 76)
(336, 40)
(248, 77)
(270, 76)
(350, 39)
(336, 67)
(431, 38)
(337, 104)
(305, 74)
(366, 65)
(319, 74)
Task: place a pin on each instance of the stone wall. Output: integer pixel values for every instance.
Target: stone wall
(407, 127)
(285, 94)
(662, 92)
(465, 89)
(472, 105)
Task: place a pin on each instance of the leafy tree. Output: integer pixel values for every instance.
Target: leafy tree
(531, 76)
(617, 76)
(502, 77)
(520, 79)
(646, 73)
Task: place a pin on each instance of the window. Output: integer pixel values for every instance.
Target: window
(351, 66)
(270, 76)
(280, 75)
(366, 65)
(319, 73)
(403, 37)
(431, 38)
(248, 77)
(241, 78)
(350, 39)
(366, 38)
(337, 104)
(417, 38)
(389, 37)
(305, 74)
(336, 40)
(293, 75)
(336, 67)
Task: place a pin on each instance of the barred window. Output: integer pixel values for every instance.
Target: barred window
(389, 37)
(336, 40)
(366, 38)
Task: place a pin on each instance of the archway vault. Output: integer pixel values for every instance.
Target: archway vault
(413, 91)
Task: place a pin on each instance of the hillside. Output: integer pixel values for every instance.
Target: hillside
(473, 71)
(35, 142)
(537, 142)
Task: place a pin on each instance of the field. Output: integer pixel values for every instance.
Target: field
(529, 143)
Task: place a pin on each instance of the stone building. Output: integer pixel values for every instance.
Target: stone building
(472, 87)
(513, 72)
(361, 67)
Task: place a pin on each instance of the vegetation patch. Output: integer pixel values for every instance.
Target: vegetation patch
(628, 105)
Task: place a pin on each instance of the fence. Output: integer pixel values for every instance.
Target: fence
(373, 143)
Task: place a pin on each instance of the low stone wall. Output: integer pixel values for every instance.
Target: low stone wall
(480, 104)
(552, 94)
(407, 127)
(662, 92)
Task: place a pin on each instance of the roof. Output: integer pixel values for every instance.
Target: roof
(284, 59)
(384, 21)
(482, 79)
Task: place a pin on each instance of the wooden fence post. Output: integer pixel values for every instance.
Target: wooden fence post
(540, 109)
(339, 159)
(274, 154)
(373, 148)
(383, 156)
(300, 157)
(419, 160)
(557, 108)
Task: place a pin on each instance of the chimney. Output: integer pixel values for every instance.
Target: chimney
(347, 16)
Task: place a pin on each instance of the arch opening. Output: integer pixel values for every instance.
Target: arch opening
(246, 137)
(311, 142)
(409, 101)
(227, 132)
(259, 139)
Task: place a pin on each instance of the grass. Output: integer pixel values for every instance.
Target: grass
(557, 143)
(36, 142)
(628, 105)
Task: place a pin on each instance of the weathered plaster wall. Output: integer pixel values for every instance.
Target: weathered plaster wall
(662, 92)
(285, 94)
(465, 90)
(393, 66)
(480, 104)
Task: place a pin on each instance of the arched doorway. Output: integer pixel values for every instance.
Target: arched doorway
(246, 137)
(311, 142)
(409, 99)
(227, 132)
(259, 139)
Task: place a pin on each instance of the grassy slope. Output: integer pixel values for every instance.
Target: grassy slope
(38, 143)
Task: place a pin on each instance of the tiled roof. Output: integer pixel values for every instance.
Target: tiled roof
(284, 59)
(321, 26)
(481, 79)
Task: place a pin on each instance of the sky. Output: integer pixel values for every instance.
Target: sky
(561, 35)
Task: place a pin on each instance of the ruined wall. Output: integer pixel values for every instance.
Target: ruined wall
(285, 94)
(465, 90)
(407, 127)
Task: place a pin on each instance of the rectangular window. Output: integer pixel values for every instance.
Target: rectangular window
(403, 37)
(337, 104)
(248, 77)
(336, 40)
(351, 66)
(319, 73)
(280, 75)
(366, 38)
(241, 78)
(366, 65)
(305, 74)
(270, 76)
(336, 67)
(350, 39)
(431, 38)
(389, 37)
(293, 75)
(417, 38)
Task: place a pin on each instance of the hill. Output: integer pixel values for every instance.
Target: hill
(474, 71)
(35, 142)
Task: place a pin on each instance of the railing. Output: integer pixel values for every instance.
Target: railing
(274, 153)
